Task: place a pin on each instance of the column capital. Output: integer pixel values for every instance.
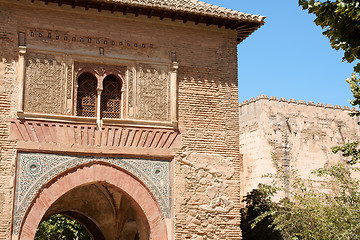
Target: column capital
(175, 66)
(22, 50)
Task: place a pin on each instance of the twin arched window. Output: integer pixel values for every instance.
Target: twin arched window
(87, 97)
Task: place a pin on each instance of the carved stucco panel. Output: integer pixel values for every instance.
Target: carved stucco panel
(44, 84)
(69, 81)
(131, 88)
(69, 88)
(220, 169)
(152, 92)
(207, 198)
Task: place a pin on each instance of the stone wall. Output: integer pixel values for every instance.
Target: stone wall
(208, 114)
(7, 151)
(206, 169)
(299, 134)
(8, 87)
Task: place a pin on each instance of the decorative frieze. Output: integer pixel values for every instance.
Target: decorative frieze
(59, 36)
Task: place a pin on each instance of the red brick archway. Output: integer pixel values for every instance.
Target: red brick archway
(96, 172)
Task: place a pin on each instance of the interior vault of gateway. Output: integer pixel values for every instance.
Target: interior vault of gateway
(105, 212)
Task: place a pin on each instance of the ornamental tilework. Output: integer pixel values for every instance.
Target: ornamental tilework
(34, 170)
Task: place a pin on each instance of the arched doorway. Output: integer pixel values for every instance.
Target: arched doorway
(105, 212)
(108, 201)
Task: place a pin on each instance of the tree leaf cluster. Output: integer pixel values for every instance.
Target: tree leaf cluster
(258, 202)
(349, 150)
(311, 214)
(340, 20)
(354, 83)
(60, 227)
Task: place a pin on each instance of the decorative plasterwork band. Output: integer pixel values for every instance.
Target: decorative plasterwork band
(51, 136)
(34, 170)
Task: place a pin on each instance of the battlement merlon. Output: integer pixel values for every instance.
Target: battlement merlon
(294, 102)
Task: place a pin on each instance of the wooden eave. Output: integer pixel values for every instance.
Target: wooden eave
(244, 27)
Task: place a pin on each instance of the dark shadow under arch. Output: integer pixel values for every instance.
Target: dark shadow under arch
(89, 225)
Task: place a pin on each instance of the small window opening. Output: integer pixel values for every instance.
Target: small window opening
(111, 97)
(86, 96)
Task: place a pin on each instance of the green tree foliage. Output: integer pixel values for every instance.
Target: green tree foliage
(333, 211)
(258, 202)
(349, 150)
(313, 214)
(60, 227)
(341, 21)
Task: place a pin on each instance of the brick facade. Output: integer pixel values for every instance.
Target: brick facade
(205, 158)
(177, 140)
(8, 87)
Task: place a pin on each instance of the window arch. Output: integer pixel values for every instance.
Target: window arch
(111, 97)
(86, 95)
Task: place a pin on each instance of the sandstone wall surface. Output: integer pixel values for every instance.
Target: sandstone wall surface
(296, 133)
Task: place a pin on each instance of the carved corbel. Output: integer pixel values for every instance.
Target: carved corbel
(100, 80)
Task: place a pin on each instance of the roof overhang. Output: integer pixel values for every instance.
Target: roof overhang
(245, 24)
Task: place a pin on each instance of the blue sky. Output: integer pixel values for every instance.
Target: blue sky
(288, 56)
